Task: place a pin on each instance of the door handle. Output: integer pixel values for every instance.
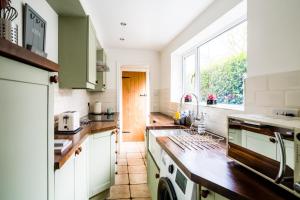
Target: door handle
(143, 95)
(282, 165)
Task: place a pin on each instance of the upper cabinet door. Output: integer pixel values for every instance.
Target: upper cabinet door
(92, 54)
(26, 131)
(77, 53)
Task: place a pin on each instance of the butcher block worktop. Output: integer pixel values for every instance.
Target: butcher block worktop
(78, 138)
(161, 121)
(214, 170)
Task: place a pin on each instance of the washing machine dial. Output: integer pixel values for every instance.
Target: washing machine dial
(171, 168)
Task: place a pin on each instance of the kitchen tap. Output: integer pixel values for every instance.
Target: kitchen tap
(196, 120)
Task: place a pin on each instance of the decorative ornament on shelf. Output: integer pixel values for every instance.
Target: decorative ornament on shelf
(34, 31)
(211, 99)
(8, 29)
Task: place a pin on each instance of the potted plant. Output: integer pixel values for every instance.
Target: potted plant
(211, 99)
(188, 98)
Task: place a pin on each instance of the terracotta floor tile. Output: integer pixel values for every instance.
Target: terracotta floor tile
(122, 161)
(119, 191)
(137, 169)
(138, 178)
(121, 179)
(135, 161)
(139, 191)
(134, 155)
(122, 169)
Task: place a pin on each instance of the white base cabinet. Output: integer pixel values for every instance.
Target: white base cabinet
(102, 148)
(71, 181)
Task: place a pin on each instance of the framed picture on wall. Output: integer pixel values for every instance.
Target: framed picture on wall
(34, 31)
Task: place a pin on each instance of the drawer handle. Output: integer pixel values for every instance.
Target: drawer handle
(273, 140)
(204, 193)
(77, 152)
(157, 176)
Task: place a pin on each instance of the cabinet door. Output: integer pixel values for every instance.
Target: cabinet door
(81, 189)
(64, 181)
(152, 173)
(26, 131)
(261, 144)
(100, 155)
(92, 55)
(113, 158)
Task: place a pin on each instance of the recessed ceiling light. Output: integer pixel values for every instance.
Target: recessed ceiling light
(122, 39)
(123, 23)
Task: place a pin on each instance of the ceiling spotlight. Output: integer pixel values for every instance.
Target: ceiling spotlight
(122, 39)
(123, 23)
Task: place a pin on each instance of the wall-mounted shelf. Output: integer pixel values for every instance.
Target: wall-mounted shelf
(15, 52)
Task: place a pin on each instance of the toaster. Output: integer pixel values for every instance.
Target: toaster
(69, 121)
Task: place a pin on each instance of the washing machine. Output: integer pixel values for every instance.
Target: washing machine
(174, 184)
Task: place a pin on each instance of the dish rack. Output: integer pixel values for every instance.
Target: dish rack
(192, 140)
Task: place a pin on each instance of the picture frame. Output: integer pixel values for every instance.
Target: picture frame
(34, 31)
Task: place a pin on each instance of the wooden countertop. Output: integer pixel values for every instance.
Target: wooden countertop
(214, 170)
(78, 138)
(161, 121)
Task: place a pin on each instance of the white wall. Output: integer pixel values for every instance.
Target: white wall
(273, 36)
(117, 58)
(48, 14)
(273, 47)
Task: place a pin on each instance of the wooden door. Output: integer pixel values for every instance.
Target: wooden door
(134, 105)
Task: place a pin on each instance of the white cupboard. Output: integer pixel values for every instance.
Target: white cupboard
(71, 180)
(100, 162)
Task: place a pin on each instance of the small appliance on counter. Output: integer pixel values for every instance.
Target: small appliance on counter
(267, 145)
(97, 108)
(69, 121)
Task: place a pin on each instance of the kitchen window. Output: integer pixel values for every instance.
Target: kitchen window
(221, 63)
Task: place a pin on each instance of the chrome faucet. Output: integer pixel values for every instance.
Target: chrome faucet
(195, 121)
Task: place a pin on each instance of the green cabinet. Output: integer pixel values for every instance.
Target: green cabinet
(100, 161)
(152, 176)
(26, 136)
(100, 82)
(77, 52)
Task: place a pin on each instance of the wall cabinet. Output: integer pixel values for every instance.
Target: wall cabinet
(101, 151)
(152, 176)
(71, 181)
(26, 136)
(77, 52)
(100, 82)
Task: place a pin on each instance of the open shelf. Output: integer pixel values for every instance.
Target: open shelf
(15, 52)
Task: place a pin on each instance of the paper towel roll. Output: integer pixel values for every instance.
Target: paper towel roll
(97, 107)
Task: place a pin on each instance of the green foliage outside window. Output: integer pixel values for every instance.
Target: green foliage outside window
(225, 79)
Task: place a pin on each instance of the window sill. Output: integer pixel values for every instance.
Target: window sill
(225, 106)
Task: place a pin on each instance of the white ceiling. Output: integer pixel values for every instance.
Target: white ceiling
(151, 24)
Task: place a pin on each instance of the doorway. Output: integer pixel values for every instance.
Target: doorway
(134, 105)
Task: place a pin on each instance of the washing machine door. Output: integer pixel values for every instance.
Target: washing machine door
(165, 190)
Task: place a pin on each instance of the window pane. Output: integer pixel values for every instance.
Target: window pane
(222, 64)
(189, 64)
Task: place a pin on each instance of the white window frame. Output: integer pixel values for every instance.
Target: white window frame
(196, 49)
(184, 56)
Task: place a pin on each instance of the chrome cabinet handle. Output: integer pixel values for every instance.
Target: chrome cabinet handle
(282, 166)
(297, 187)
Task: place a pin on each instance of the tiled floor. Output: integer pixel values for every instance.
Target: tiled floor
(131, 177)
